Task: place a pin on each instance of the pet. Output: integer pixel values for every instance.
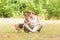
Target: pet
(21, 26)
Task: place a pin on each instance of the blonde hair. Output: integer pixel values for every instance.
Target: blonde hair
(29, 12)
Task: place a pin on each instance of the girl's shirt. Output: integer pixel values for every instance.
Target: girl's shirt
(33, 21)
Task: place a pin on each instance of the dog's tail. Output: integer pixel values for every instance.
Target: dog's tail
(16, 26)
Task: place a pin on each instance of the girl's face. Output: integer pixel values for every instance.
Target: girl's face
(30, 14)
(26, 16)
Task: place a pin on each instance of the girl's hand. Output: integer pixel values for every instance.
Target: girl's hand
(28, 22)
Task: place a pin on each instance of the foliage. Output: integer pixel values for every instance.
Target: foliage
(16, 8)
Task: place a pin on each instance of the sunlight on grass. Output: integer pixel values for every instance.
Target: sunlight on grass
(48, 32)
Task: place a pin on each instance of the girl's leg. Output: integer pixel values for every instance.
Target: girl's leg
(40, 25)
(27, 27)
(37, 28)
(40, 28)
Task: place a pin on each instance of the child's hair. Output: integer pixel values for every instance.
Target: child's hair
(25, 14)
(29, 12)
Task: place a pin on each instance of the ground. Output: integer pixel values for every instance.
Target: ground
(50, 31)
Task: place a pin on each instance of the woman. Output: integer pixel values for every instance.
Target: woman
(34, 22)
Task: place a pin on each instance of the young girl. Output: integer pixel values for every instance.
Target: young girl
(27, 23)
(34, 22)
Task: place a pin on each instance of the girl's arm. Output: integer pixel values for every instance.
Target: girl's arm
(27, 26)
(26, 22)
(38, 20)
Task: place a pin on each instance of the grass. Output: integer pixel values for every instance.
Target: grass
(48, 32)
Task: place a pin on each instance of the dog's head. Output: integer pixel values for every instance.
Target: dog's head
(18, 26)
(21, 25)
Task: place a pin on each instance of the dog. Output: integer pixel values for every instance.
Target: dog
(18, 26)
(21, 26)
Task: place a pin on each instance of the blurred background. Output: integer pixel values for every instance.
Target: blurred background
(44, 9)
(11, 13)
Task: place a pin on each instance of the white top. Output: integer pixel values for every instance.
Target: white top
(33, 21)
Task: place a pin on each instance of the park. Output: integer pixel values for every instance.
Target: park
(11, 13)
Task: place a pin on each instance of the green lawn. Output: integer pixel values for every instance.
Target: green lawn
(48, 32)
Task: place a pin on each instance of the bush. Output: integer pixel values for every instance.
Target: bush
(15, 8)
